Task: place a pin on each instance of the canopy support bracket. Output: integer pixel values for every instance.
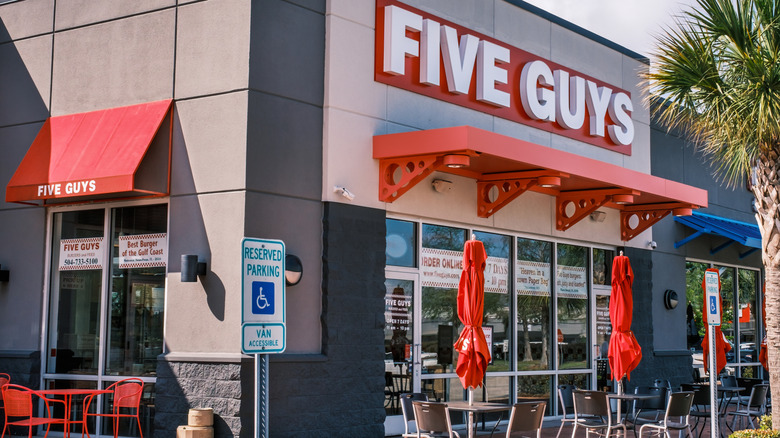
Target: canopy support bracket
(742, 255)
(682, 242)
(584, 202)
(508, 191)
(398, 175)
(721, 247)
(647, 218)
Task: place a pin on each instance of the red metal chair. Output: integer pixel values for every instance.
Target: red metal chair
(126, 395)
(4, 380)
(18, 406)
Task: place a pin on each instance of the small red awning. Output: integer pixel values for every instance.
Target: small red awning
(506, 167)
(111, 153)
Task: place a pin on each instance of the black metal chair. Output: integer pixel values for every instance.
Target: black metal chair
(647, 411)
(701, 405)
(593, 412)
(526, 417)
(755, 407)
(676, 417)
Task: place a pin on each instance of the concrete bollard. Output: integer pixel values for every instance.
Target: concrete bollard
(200, 417)
(195, 432)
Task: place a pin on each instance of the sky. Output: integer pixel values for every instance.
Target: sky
(633, 24)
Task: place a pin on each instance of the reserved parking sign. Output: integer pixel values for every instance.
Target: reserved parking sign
(263, 313)
(712, 290)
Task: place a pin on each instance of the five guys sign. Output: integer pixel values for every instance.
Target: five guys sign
(424, 54)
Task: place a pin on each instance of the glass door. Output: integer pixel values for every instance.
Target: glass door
(106, 303)
(402, 345)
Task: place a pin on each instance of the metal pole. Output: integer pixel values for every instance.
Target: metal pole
(261, 395)
(714, 422)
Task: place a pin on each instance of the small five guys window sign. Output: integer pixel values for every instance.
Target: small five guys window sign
(427, 55)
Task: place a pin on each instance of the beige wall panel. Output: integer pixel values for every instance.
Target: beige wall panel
(114, 64)
(522, 132)
(212, 49)
(522, 29)
(348, 157)
(210, 226)
(531, 213)
(632, 69)
(360, 11)
(24, 19)
(457, 205)
(584, 55)
(209, 150)
(476, 15)
(639, 159)
(72, 13)
(349, 69)
(25, 78)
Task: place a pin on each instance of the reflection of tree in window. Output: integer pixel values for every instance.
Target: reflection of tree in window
(533, 308)
(497, 304)
(573, 312)
(727, 298)
(694, 295)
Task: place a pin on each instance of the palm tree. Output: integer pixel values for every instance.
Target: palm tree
(719, 76)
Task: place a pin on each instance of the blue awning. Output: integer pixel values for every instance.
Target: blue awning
(741, 232)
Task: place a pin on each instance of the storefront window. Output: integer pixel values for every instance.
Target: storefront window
(535, 388)
(741, 321)
(749, 316)
(401, 243)
(135, 335)
(441, 265)
(497, 304)
(533, 289)
(602, 266)
(571, 285)
(77, 276)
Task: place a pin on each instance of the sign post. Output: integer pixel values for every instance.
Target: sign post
(712, 301)
(263, 314)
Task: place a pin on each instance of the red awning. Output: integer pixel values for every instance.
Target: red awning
(114, 153)
(506, 167)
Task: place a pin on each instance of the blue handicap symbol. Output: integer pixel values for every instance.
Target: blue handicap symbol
(262, 298)
(713, 306)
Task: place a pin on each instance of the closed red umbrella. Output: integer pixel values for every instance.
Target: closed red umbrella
(624, 351)
(472, 347)
(721, 346)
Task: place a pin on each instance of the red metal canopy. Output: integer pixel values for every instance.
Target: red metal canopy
(506, 167)
(114, 152)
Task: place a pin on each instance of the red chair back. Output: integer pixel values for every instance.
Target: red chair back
(17, 400)
(4, 380)
(127, 393)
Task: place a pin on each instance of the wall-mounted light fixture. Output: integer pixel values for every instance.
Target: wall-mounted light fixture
(4, 275)
(682, 211)
(441, 185)
(670, 299)
(293, 269)
(191, 268)
(598, 216)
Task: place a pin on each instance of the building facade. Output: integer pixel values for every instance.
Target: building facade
(372, 137)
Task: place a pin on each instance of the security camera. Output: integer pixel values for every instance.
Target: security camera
(652, 245)
(344, 192)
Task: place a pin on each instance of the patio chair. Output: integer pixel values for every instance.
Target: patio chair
(410, 426)
(566, 399)
(433, 420)
(676, 418)
(701, 404)
(755, 407)
(126, 401)
(593, 412)
(526, 417)
(4, 380)
(647, 411)
(18, 407)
